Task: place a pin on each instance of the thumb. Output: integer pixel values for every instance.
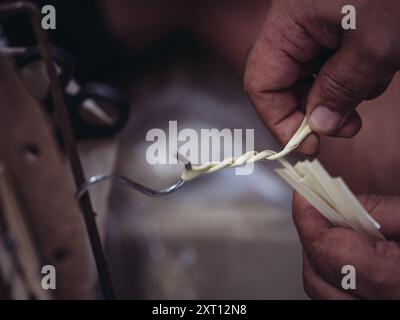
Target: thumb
(344, 81)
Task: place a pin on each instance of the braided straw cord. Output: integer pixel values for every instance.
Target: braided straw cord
(249, 157)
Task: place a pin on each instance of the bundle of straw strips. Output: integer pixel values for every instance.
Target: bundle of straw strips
(330, 196)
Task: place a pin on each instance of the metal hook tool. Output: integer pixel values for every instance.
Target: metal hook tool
(130, 184)
(133, 184)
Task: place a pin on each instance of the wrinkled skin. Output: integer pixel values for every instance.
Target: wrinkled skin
(302, 38)
(327, 249)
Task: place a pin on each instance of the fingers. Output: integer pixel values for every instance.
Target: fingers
(329, 249)
(293, 44)
(344, 81)
(279, 63)
(310, 224)
(385, 210)
(318, 288)
(273, 67)
(375, 264)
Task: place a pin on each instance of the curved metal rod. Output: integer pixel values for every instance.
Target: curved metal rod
(129, 183)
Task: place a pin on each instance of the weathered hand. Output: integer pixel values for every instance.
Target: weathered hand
(305, 37)
(328, 249)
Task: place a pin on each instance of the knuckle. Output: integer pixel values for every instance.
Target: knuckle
(307, 284)
(377, 56)
(296, 43)
(301, 208)
(295, 208)
(339, 90)
(382, 277)
(373, 202)
(250, 83)
(308, 288)
(314, 250)
(310, 285)
(298, 218)
(380, 53)
(301, 217)
(379, 281)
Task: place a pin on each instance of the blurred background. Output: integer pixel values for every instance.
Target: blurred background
(222, 236)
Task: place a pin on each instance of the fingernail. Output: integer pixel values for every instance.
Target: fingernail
(324, 120)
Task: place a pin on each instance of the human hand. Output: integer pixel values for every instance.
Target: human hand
(304, 37)
(327, 249)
